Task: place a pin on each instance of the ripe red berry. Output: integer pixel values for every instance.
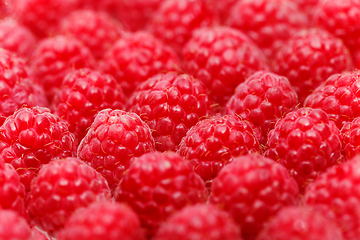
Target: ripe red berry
(350, 134)
(114, 139)
(102, 220)
(170, 104)
(54, 57)
(83, 93)
(252, 189)
(13, 226)
(201, 221)
(214, 142)
(96, 30)
(306, 142)
(62, 187)
(222, 58)
(158, 184)
(31, 138)
(262, 100)
(136, 57)
(268, 23)
(309, 58)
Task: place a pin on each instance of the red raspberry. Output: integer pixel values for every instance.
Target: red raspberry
(62, 187)
(201, 221)
(56, 56)
(301, 223)
(214, 142)
(175, 20)
(309, 58)
(17, 89)
(158, 184)
(114, 139)
(96, 30)
(268, 23)
(222, 58)
(306, 142)
(31, 138)
(350, 134)
(13, 226)
(222, 8)
(308, 6)
(102, 220)
(252, 189)
(109, 6)
(170, 104)
(136, 57)
(83, 93)
(339, 97)
(16, 38)
(262, 100)
(338, 189)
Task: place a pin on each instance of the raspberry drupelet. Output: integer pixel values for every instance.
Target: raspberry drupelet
(31, 138)
(222, 58)
(62, 187)
(309, 58)
(157, 185)
(262, 100)
(14, 226)
(114, 139)
(216, 141)
(306, 142)
(170, 103)
(136, 57)
(83, 93)
(252, 189)
(350, 138)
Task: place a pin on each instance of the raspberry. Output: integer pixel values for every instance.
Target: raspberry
(339, 97)
(170, 104)
(36, 234)
(252, 189)
(96, 30)
(350, 134)
(175, 20)
(17, 88)
(31, 138)
(56, 56)
(222, 8)
(214, 142)
(136, 57)
(62, 187)
(114, 139)
(13, 226)
(268, 23)
(262, 100)
(222, 58)
(301, 223)
(158, 184)
(102, 220)
(306, 142)
(337, 189)
(309, 58)
(201, 221)
(308, 6)
(83, 93)
(16, 38)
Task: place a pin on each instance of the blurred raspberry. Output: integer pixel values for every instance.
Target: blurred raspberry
(175, 20)
(16, 38)
(13, 226)
(114, 139)
(158, 184)
(262, 100)
(55, 57)
(170, 104)
(201, 221)
(214, 142)
(96, 30)
(308, 6)
(31, 138)
(222, 8)
(136, 57)
(350, 138)
(252, 189)
(102, 220)
(222, 58)
(62, 187)
(309, 58)
(83, 93)
(269, 23)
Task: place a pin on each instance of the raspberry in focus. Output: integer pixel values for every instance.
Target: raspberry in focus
(350, 140)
